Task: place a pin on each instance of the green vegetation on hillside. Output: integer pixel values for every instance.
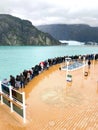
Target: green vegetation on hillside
(14, 31)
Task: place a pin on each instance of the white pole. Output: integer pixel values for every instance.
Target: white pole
(67, 70)
(24, 108)
(11, 98)
(1, 93)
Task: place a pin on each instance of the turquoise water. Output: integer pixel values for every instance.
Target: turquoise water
(14, 60)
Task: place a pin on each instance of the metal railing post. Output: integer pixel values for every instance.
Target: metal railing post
(1, 93)
(24, 108)
(11, 98)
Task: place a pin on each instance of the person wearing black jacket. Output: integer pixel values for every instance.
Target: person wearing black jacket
(12, 81)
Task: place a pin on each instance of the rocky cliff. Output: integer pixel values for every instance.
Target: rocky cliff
(77, 32)
(15, 31)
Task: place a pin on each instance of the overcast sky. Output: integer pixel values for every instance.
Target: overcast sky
(53, 11)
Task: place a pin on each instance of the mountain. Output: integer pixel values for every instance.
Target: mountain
(76, 32)
(15, 31)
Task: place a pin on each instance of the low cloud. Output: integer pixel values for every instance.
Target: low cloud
(53, 11)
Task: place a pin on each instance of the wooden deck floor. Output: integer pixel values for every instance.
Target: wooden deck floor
(53, 104)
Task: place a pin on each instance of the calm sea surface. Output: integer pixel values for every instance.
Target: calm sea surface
(14, 60)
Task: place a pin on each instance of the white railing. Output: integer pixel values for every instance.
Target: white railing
(14, 99)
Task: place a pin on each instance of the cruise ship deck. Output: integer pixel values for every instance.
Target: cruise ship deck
(54, 104)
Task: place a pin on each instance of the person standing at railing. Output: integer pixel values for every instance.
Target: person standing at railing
(12, 81)
(22, 80)
(89, 63)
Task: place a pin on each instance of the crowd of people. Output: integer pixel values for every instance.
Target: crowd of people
(21, 80)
